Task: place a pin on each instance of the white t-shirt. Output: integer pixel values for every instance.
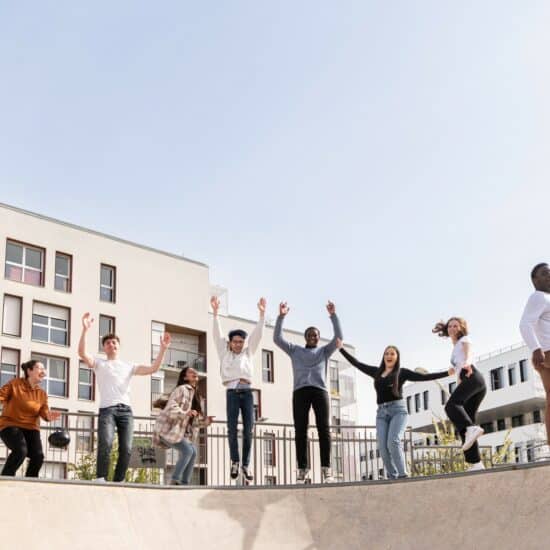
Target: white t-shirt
(113, 381)
(535, 322)
(458, 356)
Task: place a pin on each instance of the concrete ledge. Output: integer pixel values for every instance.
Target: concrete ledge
(499, 509)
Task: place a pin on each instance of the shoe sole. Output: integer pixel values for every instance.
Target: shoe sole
(468, 446)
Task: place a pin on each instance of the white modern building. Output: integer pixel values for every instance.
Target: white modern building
(54, 272)
(513, 407)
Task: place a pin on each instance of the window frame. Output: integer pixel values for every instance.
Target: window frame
(23, 266)
(268, 372)
(69, 278)
(101, 285)
(49, 326)
(39, 356)
(20, 298)
(17, 364)
(82, 366)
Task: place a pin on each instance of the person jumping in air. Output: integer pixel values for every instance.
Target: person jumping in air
(535, 330)
(309, 366)
(237, 370)
(392, 415)
(464, 402)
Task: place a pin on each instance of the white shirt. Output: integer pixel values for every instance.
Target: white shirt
(234, 366)
(535, 321)
(113, 381)
(458, 356)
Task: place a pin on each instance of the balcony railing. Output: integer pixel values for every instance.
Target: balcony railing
(354, 454)
(179, 358)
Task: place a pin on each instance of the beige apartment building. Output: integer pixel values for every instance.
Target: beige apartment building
(54, 272)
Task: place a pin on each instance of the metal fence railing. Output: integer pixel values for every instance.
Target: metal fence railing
(355, 455)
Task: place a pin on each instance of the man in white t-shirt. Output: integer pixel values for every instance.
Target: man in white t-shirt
(113, 380)
(535, 329)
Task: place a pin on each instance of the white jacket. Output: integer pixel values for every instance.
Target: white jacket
(234, 366)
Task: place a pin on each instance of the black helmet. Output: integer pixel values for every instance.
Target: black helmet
(59, 439)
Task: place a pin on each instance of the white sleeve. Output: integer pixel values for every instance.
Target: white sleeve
(219, 340)
(531, 314)
(256, 337)
(466, 339)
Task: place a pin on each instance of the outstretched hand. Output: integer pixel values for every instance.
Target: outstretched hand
(54, 415)
(331, 308)
(165, 341)
(87, 320)
(283, 308)
(262, 303)
(215, 303)
(468, 369)
(339, 343)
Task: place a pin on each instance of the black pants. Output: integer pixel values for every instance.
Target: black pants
(302, 400)
(462, 408)
(22, 444)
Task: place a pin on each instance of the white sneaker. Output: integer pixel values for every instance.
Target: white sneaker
(476, 467)
(100, 480)
(302, 476)
(326, 475)
(472, 434)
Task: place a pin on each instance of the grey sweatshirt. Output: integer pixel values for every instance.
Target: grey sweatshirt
(309, 365)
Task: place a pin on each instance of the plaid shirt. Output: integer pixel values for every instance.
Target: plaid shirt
(172, 424)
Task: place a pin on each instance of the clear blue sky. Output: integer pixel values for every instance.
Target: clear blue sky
(392, 156)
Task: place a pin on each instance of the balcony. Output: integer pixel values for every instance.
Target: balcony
(177, 358)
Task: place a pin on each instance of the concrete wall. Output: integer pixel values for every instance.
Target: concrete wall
(487, 510)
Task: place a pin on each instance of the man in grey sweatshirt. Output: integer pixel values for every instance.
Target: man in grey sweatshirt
(309, 366)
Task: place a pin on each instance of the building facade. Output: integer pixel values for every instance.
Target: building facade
(512, 409)
(54, 272)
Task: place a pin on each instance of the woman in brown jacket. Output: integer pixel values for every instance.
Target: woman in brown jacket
(178, 424)
(24, 403)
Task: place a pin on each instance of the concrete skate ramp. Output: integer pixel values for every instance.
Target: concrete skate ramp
(493, 510)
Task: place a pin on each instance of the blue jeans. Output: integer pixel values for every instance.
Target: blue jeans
(183, 470)
(119, 416)
(240, 400)
(391, 421)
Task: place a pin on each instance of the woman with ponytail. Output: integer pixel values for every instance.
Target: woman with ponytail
(24, 403)
(392, 415)
(178, 424)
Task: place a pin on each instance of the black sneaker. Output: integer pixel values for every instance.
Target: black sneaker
(246, 473)
(234, 470)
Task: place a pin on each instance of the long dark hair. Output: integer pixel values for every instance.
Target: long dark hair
(161, 402)
(394, 372)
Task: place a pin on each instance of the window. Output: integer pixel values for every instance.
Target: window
(517, 421)
(409, 404)
(63, 272)
(270, 480)
(530, 452)
(267, 366)
(85, 429)
(334, 381)
(501, 424)
(106, 326)
(488, 427)
(452, 387)
(537, 416)
(511, 375)
(257, 404)
(107, 283)
(335, 412)
(443, 397)
(426, 399)
(56, 381)
(416, 402)
(50, 324)
(8, 368)
(156, 388)
(523, 370)
(85, 382)
(11, 315)
(517, 453)
(269, 449)
(497, 381)
(24, 263)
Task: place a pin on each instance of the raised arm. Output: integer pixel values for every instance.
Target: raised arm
(330, 348)
(87, 359)
(531, 314)
(144, 370)
(219, 340)
(287, 347)
(256, 335)
(420, 375)
(367, 369)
